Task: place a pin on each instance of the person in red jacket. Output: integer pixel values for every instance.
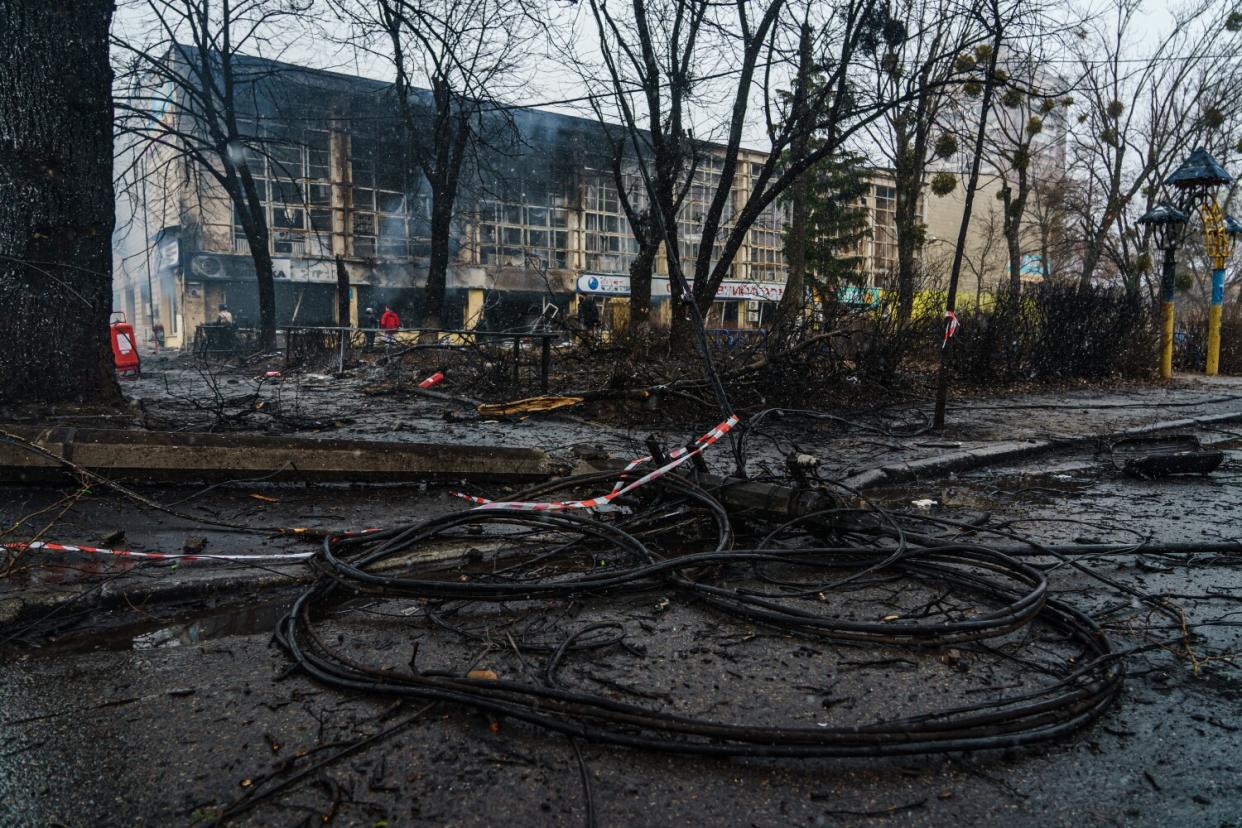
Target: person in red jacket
(389, 323)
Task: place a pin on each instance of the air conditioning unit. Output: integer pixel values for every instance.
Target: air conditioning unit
(207, 266)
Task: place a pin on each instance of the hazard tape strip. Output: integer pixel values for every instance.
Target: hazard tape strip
(153, 556)
(276, 557)
(676, 459)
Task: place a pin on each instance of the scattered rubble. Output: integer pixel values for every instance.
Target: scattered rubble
(780, 614)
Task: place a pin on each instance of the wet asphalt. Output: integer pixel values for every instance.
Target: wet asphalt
(164, 714)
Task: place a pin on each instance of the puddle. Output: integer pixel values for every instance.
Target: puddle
(991, 491)
(187, 630)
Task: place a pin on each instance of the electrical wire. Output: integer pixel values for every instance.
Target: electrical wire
(675, 537)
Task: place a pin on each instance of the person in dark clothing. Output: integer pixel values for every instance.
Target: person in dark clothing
(588, 318)
(227, 329)
(588, 313)
(370, 321)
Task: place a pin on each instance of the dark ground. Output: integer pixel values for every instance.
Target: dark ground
(160, 714)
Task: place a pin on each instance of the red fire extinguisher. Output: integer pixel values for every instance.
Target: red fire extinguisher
(124, 347)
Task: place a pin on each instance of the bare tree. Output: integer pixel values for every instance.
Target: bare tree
(189, 92)
(1023, 147)
(652, 53)
(1050, 218)
(916, 75)
(793, 302)
(455, 63)
(1141, 113)
(987, 230)
(743, 53)
(56, 209)
(999, 22)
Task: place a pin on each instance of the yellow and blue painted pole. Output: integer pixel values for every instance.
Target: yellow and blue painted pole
(1167, 287)
(1219, 245)
(1214, 313)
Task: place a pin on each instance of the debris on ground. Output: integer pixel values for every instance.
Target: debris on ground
(643, 594)
(1153, 457)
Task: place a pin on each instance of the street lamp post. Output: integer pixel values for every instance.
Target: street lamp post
(1165, 224)
(1197, 180)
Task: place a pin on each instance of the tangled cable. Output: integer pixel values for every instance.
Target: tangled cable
(675, 537)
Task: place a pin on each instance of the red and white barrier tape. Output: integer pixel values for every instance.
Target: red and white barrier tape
(950, 326)
(155, 556)
(676, 459)
(274, 557)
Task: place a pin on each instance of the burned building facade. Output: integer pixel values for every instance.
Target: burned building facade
(538, 219)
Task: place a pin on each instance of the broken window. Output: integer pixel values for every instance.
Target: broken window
(609, 242)
(393, 236)
(321, 220)
(363, 226)
(288, 218)
(392, 202)
(287, 192)
(285, 161)
(516, 234)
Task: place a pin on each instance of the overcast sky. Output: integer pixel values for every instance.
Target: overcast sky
(549, 82)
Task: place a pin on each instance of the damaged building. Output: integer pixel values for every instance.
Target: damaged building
(538, 221)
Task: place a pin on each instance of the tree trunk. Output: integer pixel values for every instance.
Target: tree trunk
(258, 237)
(437, 266)
(793, 301)
(906, 218)
(789, 311)
(267, 296)
(640, 288)
(1014, 250)
(1045, 253)
(1090, 259)
(989, 86)
(56, 207)
(908, 180)
(257, 240)
(1015, 212)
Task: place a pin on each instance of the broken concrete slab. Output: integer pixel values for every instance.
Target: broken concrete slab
(185, 457)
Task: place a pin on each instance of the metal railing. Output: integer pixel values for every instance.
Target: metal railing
(210, 338)
(529, 352)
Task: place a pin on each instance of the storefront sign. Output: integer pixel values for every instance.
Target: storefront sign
(596, 284)
(224, 266)
(852, 295)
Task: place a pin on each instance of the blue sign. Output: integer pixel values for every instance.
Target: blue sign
(1032, 265)
(851, 295)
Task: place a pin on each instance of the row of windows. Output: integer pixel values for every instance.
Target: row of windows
(293, 180)
(607, 242)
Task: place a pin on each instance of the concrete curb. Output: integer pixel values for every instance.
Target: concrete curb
(959, 461)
